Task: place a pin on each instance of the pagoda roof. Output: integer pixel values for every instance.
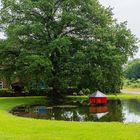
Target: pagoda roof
(97, 94)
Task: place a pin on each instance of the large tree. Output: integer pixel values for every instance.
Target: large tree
(65, 42)
(132, 69)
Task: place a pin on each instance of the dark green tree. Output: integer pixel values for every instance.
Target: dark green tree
(65, 42)
(132, 69)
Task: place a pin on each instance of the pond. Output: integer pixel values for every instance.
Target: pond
(115, 110)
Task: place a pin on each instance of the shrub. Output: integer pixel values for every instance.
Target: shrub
(87, 91)
(70, 91)
(74, 93)
(33, 92)
(38, 92)
(80, 92)
(6, 93)
(132, 83)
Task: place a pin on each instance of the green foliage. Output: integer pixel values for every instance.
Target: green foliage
(86, 91)
(31, 92)
(65, 43)
(80, 93)
(132, 70)
(74, 93)
(5, 93)
(132, 83)
(83, 92)
(38, 92)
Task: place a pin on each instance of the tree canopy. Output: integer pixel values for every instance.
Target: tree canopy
(64, 42)
(132, 69)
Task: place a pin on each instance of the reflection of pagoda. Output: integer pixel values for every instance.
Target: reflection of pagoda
(98, 111)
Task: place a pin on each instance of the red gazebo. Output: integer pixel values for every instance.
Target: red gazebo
(97, 98)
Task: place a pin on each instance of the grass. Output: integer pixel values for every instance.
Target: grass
(18, 128)
(113, 97)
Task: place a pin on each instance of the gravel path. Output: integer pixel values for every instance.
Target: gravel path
(130, 91)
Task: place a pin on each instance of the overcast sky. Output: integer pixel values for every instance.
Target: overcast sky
(126, 10)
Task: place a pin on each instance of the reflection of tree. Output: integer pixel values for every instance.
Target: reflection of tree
(114, 111)
(74, 114)
(133, 105)
(69, 114)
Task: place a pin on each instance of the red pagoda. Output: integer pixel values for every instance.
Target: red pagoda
(97, 98)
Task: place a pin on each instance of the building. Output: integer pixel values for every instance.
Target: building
(97, 98)
(1, 84)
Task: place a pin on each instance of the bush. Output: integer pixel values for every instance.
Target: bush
(6, 93)
(43, 92)
(37, 92)
(82, 92)
(87, 91)
(70, 91)
(74, 93)
(33, 92)
(132, 83)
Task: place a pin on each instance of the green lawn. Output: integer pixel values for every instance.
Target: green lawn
(117, 96)
(18, 128)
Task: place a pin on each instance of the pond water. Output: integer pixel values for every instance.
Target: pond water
(115, 110)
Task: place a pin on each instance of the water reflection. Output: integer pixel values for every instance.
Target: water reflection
(116, 110)
(98, 111)
(131, 110)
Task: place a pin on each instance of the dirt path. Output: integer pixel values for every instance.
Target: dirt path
(130, 91)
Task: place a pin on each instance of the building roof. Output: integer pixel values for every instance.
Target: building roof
(97, 94)
(100, 115)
